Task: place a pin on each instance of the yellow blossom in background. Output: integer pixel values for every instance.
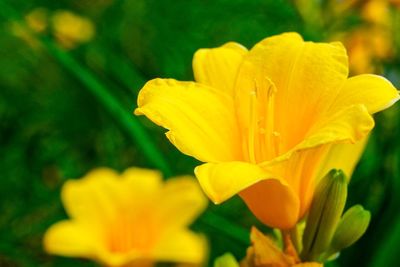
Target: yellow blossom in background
(367, 47)
(376, 12)
(266, 121)
(37, 19)
(132, 219)
(71, 29)
(372, 42)
(36, 22)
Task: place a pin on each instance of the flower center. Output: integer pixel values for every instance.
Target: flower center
(129, 233)
(263, 142)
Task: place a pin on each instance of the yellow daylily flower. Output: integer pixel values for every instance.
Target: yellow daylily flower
(266, 120)
(132, 219)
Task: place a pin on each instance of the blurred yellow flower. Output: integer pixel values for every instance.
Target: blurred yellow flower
(265, 121)
(372, 42)
(71, 29)
(37, 19)
(130, 219)
(36, 22)
(376, 11)
(367, 47)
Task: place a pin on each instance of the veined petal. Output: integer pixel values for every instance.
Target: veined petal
(200, 119)
(273, 203)
(72, 239)
(181, 201)
(303, 72)
(218, 67)
(270, 199)
(375, 92)
(348, 125)
(221, 181)
(183, 246)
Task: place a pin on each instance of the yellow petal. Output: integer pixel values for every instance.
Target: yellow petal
(303, 72)
(343, 156)
(273, 203)
(180, 202)
(182, 246)
(72, 239)
(269, 198)
(91, 198)
(218, 67)
(375, 92)
(144, 184)
(101, 194)
(348, 125)
(198, 118)
(221, 181)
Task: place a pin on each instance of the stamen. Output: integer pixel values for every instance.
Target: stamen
(252, 126)
(261, 146)
(270, 122)
(263, 142)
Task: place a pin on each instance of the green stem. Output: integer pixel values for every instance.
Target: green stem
(124, 117)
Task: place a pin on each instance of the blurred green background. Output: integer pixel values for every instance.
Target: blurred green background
(70, 71)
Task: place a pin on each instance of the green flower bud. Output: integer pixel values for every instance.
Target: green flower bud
(351, 227)
(324, 215)
(226, 260)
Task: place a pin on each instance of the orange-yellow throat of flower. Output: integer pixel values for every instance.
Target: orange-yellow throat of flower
(260, 141)
(132, 233)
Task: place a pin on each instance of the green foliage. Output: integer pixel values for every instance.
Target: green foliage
(63, 113)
